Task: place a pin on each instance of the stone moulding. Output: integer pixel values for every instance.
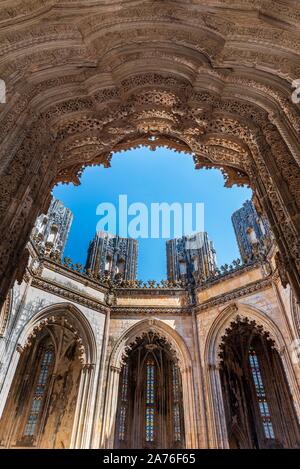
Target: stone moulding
(68, 294)
(82, 83)
(237, 293)
(73, 274)
(227, 275)
(119, 311)
(149, 291)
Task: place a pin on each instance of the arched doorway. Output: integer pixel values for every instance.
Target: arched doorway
(259, 408)
(150, 407)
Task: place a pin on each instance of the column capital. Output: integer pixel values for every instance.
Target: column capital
(115, 369)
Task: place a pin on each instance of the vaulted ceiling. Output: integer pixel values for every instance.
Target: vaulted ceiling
(79, 57)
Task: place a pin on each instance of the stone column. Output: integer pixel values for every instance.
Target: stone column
(82, 407)
(9, 376)
(110, 408)
(189, 409)
(200, 392)
(100, 386)
(217, 414)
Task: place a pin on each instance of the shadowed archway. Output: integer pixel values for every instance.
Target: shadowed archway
(150, 400)
(175, 352)
(106, 78)
(244, 345)
(45, 391)
(259, 408)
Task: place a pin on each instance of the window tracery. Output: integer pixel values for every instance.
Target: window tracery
(176, 404)
(150, 377)
(39, 393)
(258, 405)
(261, 394)
(150, 408)
(124, 399)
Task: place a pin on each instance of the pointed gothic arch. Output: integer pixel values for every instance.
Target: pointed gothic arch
(247, 315)
(223, 321)
(161, 328)
(74, 318)
(150, 398)
(50, 376)
(114, 369)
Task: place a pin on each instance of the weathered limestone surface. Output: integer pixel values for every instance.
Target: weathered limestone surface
(85, 79)
(212, 78)
(83, 403)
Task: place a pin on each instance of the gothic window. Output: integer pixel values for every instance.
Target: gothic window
(150, 377)
(261, 394)
(124, 399)
(195, 262)
(53, 234)
(39, 394)
(262, 226)
(251, 235)
(40, 407)
(176, 402)
(120, 266)
(150, 409)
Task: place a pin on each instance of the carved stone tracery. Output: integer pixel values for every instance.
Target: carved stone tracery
(149, 74)
(247, 354)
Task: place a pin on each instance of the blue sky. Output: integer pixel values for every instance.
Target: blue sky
(152, 176)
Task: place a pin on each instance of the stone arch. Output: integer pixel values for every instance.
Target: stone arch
(202, 80)
(80, 91)
(69, 315)
(237, 434)
(78, 340)
(214, 134)
(229, 315)
(114, 368)
(162, 329)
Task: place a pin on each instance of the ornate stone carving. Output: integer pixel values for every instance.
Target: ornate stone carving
(282, 268)
(4, 313)
(111, 78)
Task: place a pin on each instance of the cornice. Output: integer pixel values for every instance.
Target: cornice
(69, 294)
(188, 310)
(72, 274)
(121, 292)
(120, 311)
(140, 310)
(235, 294)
